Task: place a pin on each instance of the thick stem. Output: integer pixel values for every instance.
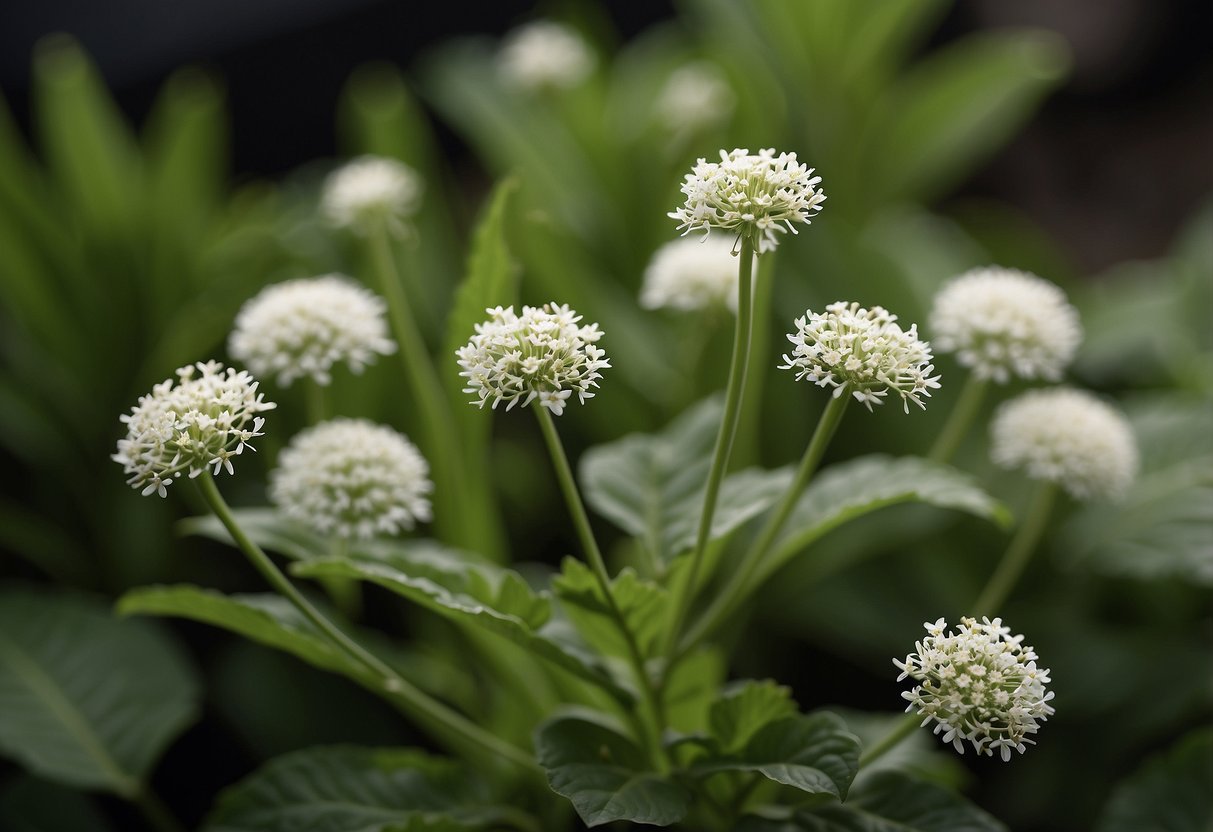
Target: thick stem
(740, 583)
(581, 521)
(683, 591)
(889, 741)
(427, 710)
(1027, 536)
(959, 420)
(158, 816)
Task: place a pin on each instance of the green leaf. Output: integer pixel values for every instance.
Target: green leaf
(267, 527)
(85, 699)
(31, 805)
(604, 774)
(744, 708)
(692, 687)
(350, 789)
(860, 486)
(888, 803)
(643, 605)
(651, 485)
(814, 753)
(1170, 793)
(493, 599)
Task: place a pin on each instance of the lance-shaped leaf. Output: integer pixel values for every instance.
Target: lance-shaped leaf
(604, 774)
(87, 699)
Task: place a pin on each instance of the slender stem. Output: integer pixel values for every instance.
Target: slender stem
(758, 366)
(317, 409)
(683, 591)
(427, 393)
(1027, 536)
(959, 420)
(426, 709)
(158, 816)
(891, 740)
(740, 583)
(581, 521)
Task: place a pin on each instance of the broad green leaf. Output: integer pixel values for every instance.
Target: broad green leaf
(744, 708)
(496, 600)
(86, 699)
(814, 753)
(31, 805)
(351, 789)
(955, 108)
(604, 774)
(643, 605)
(860, 486)
(1170, 793)
(692, 688)
(267, 527)
(888, 803)
(652, 485)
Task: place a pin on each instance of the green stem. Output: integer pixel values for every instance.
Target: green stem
(683, 591)
(427, 394)
(891, 740)
(317, 410)
(959, 420)
(428, 711)
(739, 584)
(581, 521)
(758, 366)
(1027, 536)
(155, 812)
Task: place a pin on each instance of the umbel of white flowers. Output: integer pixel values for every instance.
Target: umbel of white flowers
(862, 352)
(544, 55)
(303, 327)
(751, 196)
(541, 354)
(978, 684)
(371, 190)
(1068, 437)
(200, 420)
(695, 96)
(690, 274)
(352, 478)
(1003, 323)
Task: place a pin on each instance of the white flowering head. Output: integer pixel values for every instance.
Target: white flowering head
(691, 274)
(978, 684)
(694, 97)
(303, 327)
(863, 352)
(371, 190)
(200, 420)
(352, 478)
(1068, 437)
(1003, 323)
(541, 354)
(544, 55)
(752, 197)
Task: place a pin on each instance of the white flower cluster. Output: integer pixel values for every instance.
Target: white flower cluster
(544, 55)
(201, 420)
(753, 196)
(691, 274)
(542, 354)
(303, 327)
(694, 97)
(370, 190)
(1069, 437)
(1004, 322)
(863, 352)
(353, 479)
(978, 684)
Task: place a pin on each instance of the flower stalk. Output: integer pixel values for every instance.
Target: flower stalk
(972, 393)
(1019, 552)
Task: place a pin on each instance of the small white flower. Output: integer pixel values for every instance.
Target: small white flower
(863, 352)
(544, 55)
(303, 327)
(201, 421)
(978, 684)
(694, 97)
(751, 196)
(370, 190)
(691, 274)
(353, 479)
(1004, 322)
(542, 354)
(1069, 437)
